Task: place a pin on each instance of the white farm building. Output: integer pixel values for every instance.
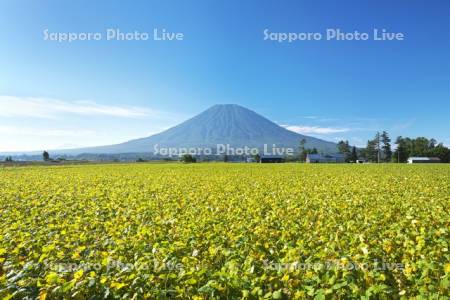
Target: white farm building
(423, 160)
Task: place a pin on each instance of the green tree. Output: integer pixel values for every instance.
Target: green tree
(371, 153)
(188, 158)
(344, 148)
(433, 143)
(377, 142)
(257, 158)
(45, 156)
(440, 151)
(401, 154)
(301, 150)
(386, 147)
(354, 155)
(420, 146)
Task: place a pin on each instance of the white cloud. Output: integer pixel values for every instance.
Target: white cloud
(318, 118)
(403, 124)
(11, 106)
(34, 123)
(35, 132)
(315, 129)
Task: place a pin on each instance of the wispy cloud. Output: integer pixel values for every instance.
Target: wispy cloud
(315, 129)
(35, 132)
(319, 118)
(12, 106)
(401, 125)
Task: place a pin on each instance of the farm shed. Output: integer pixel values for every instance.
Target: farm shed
(423, 160)
(319, 158)
(272, 159)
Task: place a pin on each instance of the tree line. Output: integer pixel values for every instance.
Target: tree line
(379, 149)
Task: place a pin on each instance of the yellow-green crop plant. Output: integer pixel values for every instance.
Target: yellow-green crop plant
(225, 231)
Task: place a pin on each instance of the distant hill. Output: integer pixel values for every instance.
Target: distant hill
(221, 124)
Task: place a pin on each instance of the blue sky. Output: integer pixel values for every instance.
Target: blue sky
(85, 93)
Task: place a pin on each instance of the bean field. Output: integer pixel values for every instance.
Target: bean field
(225, 231)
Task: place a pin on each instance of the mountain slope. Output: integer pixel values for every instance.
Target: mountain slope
(221, 124)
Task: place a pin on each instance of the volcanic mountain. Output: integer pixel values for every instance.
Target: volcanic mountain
(221, 124)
